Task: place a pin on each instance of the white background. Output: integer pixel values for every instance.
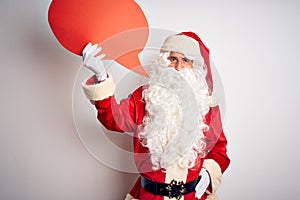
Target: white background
(255, 47)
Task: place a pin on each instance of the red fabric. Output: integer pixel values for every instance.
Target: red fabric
(135, 190)
(127, 117)
(216, 140)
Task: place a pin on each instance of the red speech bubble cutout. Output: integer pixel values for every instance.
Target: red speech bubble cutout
(119, 26)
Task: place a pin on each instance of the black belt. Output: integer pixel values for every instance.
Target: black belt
(171, 190)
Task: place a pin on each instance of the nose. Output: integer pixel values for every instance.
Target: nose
(179, 66)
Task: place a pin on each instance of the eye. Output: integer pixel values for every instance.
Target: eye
(173, 59)
(185, 60)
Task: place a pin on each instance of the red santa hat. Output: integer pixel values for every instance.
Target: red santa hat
(191, 46)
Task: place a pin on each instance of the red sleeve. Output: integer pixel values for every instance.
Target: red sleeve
(117, 116)
(216, 140)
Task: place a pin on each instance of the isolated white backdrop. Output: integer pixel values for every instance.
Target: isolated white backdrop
(254, 45)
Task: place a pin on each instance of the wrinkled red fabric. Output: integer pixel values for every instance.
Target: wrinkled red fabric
(127, 117)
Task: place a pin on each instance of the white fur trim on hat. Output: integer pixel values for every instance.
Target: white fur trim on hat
(182, 44)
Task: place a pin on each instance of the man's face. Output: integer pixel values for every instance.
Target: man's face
(179, 61)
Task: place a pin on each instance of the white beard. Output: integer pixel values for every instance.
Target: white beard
(176, 104)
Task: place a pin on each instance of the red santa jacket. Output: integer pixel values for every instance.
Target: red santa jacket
(127, 116)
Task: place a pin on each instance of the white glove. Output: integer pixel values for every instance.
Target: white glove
(95, 64)
(203, 183)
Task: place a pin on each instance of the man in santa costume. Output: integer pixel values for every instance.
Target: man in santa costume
(179, 144)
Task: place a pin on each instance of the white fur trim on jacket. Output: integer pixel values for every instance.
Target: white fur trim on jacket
(215, 174)
(177, 173)
(99, 91)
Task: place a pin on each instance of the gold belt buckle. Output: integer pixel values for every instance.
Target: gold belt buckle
(176, 189)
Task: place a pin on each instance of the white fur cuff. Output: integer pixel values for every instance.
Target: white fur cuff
(99, 91)
(212, 197)
(215, 173)
(129, 197)
(213, 100)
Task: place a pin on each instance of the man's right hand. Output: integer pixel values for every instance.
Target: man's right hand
(95, 64)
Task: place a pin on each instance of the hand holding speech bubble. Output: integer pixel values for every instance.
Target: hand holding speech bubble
(118, 26)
